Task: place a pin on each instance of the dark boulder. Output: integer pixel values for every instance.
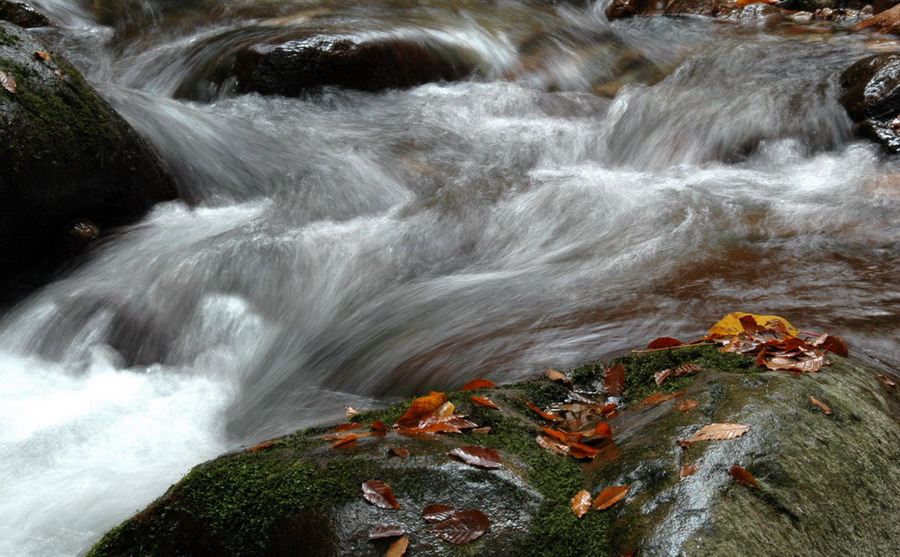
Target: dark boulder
(22, 14)
(68, 157)
(871, 96)
(620, 9)
(692, 7)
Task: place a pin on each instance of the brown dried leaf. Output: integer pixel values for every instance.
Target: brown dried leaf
(551, 445)
(476, 384)
(8, 82)
(420, 408)
(481, 430)
(610, 496)
(379, 494)
(557, 376)
(661, 376)
(888, 382)
(719, 432)
(398, 451)
(462, 527)
(483, 457)
(686, 405)
(437, 513)
(484, 402)
(398, 547)
(742, 476)
(688, 470)
(387, 531)
(609, 410)
(541, 413)
(581, 503)
(41, 55)
(345, 441)
(836, 345)
(658, 398)
(664, 342)
(378, 427)
(825, 408)
(614, 381)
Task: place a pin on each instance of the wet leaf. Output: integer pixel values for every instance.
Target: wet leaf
(484, 402)
(557, 376)
(742, 476)
(476, 384)
(836, 345)
(581, 503)
(348, 426)
(345, 441)
(825, 408)
(686, 405)
(731, 325)
(610, 496)
(614, 381)
(603, 428)
(350, 411)
(685, 369)
(437, 513)
(888, 382)
(688, 470)
(420, 408)
(609, 410)
(481, 430)
(378, 427)
(483, 457)
(551, 445)
(444, 410)
(41, 55)
(664, 342)
(556, 434)
(398, 547)
(379, 494)
(462, 527)
(387, 531)
(541, 413)
(398, 451)
(8, 82)
(259, 447)
(658, 398)
(719, 432)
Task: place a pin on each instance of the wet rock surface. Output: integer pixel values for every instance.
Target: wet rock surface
(823, 479)
(22, 14)
(871, 95)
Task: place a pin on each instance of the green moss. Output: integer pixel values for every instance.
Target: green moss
(6, 39)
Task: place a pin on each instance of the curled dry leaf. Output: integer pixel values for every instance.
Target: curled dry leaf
(476, 384)
(462, 527)
(888, 382)
(398, 547)
(387, 531)
(825, 408)
(610, 496)
(581, 503)
(483, 457)
(379, 494)
(614, 380)
(41, 55)
(398, 451)
(742, 476)
(557, 376)
(719, 432)
(420, 408)
(8, 82)
(686, 405)
(484, 402)
(664, 342)
(543, 414)
(437, 512)
(688, 470)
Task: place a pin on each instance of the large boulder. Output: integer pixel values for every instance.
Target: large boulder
(871, 96)
(823, 479)
(68, 158)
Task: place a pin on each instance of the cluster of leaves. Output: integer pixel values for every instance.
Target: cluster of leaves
(583, 502)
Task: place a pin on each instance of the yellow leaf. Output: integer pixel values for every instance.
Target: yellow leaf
(730, 325)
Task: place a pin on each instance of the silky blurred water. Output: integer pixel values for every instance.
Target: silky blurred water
(351, 248)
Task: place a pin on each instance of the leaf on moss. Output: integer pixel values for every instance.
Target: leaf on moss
(742, 476)
(484, 402)
(379, 494)
(260, 446)
(481, 430)
(387, 531)
(610, 496)
(350, 411)
(8, 82)
(543, 414)
(825, 408)
(462, 527)
(719, 432)
(683, 443)
(558, 377)
(420, 408)
(378, 427)
(437, 513)
(345, 441)
(664, 342)
(614, 380)
(686, 405)
(476, 384)
(553, 446)
(398, 547)
(482, 457)
(888, 382)
(688, 470)
(348, 426)
(581, 503)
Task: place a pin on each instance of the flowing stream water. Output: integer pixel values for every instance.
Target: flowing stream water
(350, 248)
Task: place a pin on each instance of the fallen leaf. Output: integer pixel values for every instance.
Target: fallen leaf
(259, 447)
(388, 531)
(348, 426)
(378, 427)
(825, 408)
(481, 430)
(483, 402)
(462, 527)
(379, 494)
(543, 414)
(581, 503)
(603, 428)
(476, 384)
(41, 55)
(444, 410)
(557, 376)
(551, 445)
(658, 398)
(483, 457)
(664, 342)
(345, 441)
(888, 382)
(8, 82)
(398, 451)
(609, 410)
(556, 434)
(420, 408)
(398, 547)
(686, 405)
(350, 411)
(683, 443)
(742, 476)
(719, 432)
(610, 496)
(614, 380)
(688, 470)
(836, 344)
(437, 513)
(730, 325)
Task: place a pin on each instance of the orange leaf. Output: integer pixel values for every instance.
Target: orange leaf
(398, 451)
(543, 414)
(658, 398)
(387, 531)
(686, 405)
(261, 446)
(378, 427)
(664, 342)
(578, 450)
(437, 512)
(462, 527)
(603, 428)
(610, 496)
(557, 434)
(688, 470)
(614, 380)
(483, 457)
(719, 432)
(398, 547)
(348, 426)
(41, 55)
(476, 384)
(742, 476)
(581, 503)
(825, 408)
(420, 408)
(554, 375)
(379, 494)
(345, 441)
(483, 402)
(609, 410)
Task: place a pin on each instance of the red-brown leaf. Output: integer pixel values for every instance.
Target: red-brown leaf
(476, 384)
(398, 547)
(474, 455)
(688, 470)
(398, 451)
(614, 381)
(683, 443)
(686, 405)
(481, 430)
(378, 427)
(742, 476)
(541, 413)
(609, 410)
(610, 496)
(387, 531)
(603, 428)
(581, 503)
(420, 408)
(437, 512)
(379, 494)
(825, 408)
(664, 342)
(836, 344)
(348, 426)
(345, 441)
(484, 402)
(551, 445)
(462, 527)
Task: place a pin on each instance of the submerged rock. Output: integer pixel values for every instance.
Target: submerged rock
(871, 95)
(823, 479)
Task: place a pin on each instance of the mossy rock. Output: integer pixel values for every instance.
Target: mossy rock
(67, 156)
(823, 479)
